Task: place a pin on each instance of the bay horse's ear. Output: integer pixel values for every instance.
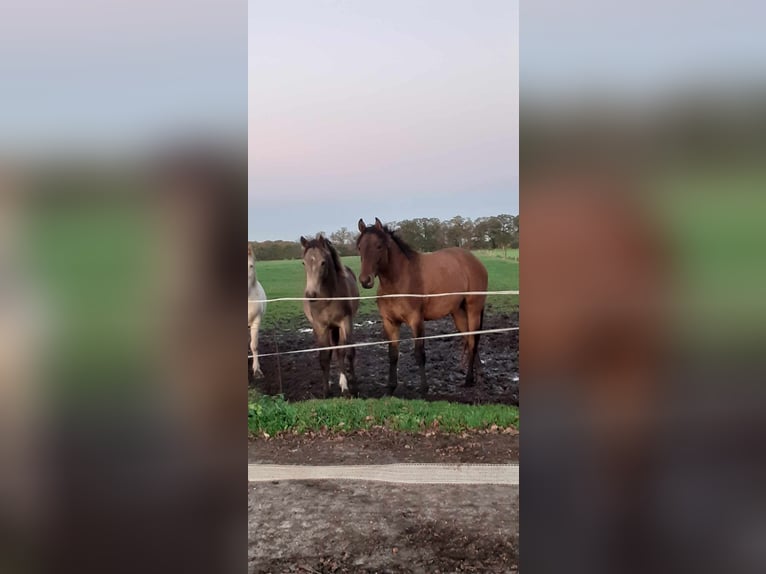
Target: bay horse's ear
(362, 226)
(303, 242)
(321, 239)
(378, 224)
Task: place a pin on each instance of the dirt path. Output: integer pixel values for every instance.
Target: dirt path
(344, 527)
(407, 473)
(354, 526)
(380, 446)
(298, 376)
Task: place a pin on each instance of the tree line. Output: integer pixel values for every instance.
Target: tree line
(424, 234)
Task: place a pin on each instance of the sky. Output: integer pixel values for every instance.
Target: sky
(396, 110)
(114, 75)
(638, 50)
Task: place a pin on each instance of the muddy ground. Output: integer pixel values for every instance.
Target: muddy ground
(355, 526)
(298, 376)
(381, 446)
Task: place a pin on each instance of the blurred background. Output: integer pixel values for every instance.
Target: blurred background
(641, 161)
(123, 199)
(123, 160)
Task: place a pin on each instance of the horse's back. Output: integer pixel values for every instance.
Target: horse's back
(453, 269)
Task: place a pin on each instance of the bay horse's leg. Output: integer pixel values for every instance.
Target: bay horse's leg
(475, 311)
(461, 323)
(419, 330)
(392, 333)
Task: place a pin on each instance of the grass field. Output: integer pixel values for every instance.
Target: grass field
(287, 278)
(272, 415)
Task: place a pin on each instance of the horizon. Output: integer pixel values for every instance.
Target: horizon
(398, 111)
(353, 228)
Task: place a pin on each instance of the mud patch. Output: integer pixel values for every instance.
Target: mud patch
(297, 376)
(381, 446)
(320, 526)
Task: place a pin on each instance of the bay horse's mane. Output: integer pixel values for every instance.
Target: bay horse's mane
(320, 242)
(408, 251)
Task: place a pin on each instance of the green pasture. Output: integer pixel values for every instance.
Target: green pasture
(711, 221)
(287, 278)
(272, 415)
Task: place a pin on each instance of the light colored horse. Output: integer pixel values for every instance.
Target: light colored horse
(256, 307)
(332, 321)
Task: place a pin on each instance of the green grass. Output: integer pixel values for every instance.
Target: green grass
(713, 220)
(286, 278)
(512, 254)
(272, 415)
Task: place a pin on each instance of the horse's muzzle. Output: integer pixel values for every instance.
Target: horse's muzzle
(367, 282)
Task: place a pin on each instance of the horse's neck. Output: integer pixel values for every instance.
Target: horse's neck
(329, 286)
(398, 274)
(252, 285)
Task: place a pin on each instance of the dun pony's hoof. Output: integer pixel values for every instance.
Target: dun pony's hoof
(258, 374)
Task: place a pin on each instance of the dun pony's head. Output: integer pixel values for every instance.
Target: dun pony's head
(321, 262)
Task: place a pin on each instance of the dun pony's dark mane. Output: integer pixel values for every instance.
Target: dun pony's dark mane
(408, 251)
(315, 243)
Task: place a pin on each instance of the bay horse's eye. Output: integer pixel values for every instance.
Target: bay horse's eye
(323, 262)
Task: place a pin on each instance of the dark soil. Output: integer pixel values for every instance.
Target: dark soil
(381, 446)
(298, 376)
(355, 526)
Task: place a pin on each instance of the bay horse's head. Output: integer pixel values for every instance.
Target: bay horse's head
(374, 245)
(321, 262)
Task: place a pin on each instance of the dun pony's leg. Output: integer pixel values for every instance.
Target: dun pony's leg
(461, 323)
(392, 333)
(344, 339)
(256, 324)
(419, 330)
(325, 358)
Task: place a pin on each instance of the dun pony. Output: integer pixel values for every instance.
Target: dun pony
(332, 321)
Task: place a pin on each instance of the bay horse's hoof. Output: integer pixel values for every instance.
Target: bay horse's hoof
(258, 374)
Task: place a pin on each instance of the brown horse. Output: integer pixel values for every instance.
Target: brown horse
(332, 321)
(401, 269)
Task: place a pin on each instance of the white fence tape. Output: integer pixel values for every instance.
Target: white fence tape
(393, 295)
(371, 343)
